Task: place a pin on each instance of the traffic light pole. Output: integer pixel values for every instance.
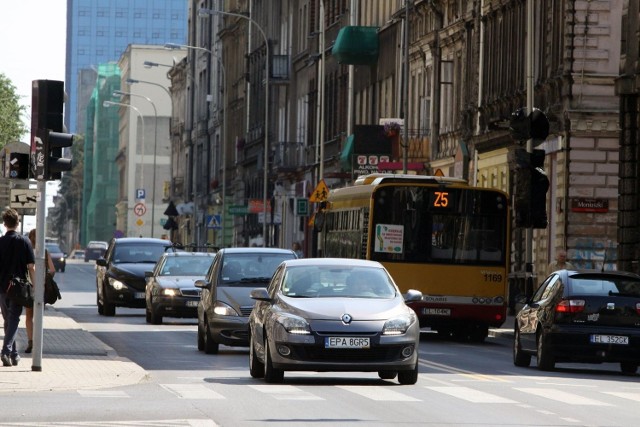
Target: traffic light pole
(38, 304)
(529, 285)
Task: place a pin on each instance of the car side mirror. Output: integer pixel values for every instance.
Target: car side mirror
(148, 274)
(201, 283)
(412, 295)
(101, 262)
(260, 294)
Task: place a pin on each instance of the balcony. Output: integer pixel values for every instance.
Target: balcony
(287, 156)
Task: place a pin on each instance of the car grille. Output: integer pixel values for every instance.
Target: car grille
(320, 354)
(246, 310)
(190, 292)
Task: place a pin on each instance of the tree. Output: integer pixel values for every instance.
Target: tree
(11, 126)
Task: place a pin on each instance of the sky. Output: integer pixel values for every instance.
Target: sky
(32, 47)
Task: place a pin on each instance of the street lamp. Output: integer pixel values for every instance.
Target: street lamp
(134, 81)
(202, 12)
(224, 123)
(155, 153)
(108, 104)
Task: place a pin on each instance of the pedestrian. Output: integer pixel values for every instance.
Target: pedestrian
(16, 259)
(560, 263)
(50, 269)
(297, 249)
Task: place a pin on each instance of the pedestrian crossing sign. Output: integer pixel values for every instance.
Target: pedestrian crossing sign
(214, 222)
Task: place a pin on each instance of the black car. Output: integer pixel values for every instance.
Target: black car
(581, 316)
(94, 250)
(120, 275)
(225, 302)
(57, 256)
(170, 289)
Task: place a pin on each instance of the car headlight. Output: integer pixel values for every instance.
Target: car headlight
(222, 309)
(117, 284)
(294, 324)
(398, 325)
(170, 292)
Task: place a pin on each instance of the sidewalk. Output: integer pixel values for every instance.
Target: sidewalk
(72, 359)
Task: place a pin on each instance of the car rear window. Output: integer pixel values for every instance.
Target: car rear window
(605, 286)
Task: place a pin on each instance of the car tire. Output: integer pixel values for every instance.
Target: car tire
(544, 356)
(387, 375)
(147, 315)
(100, 306)
(200, 338)
(408, 377)
(256, 367)
(210, 345)
(271, 374)
(156, 319)
(519, 357)
(628, 367)
(108, 309)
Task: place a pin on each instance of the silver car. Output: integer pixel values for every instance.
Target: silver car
(330, 314)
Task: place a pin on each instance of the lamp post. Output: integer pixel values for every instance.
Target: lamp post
(224, 122)
(155, 152)
(206, 12)
(108, 104)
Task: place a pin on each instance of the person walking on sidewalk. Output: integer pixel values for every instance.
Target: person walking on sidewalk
(50, 269)
(16, 259)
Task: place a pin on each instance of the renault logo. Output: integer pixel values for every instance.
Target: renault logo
(346, 318)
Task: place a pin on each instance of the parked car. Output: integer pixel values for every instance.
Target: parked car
(95, 250)
(225, 303)
(170, 289)
(581, 316)
(57, 256)
(77, 254)
(330, 314)
(120, 275)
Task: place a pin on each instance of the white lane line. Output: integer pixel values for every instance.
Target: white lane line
(192, 391)
(471, 395)
(379, 393)
(562, 396)
(284, 392)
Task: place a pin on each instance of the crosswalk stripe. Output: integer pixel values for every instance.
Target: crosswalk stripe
(625, 395)
(471, 395)
(284, 392)
(562, 396)
(379, 393)
(192, 391)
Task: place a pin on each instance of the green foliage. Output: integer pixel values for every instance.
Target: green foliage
(11, 126)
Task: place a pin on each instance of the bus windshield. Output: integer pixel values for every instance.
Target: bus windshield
(438, 225)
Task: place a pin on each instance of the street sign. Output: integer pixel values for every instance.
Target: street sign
(140, 209)
(23, 198)
(140, 194)
(320, 193)
(302, 207)
(238, 210)
(214, 222)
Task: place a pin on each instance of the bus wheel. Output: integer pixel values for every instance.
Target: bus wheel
(478, 333)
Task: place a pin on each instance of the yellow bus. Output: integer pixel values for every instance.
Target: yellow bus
(434, 234)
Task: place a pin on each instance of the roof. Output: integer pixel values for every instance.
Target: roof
(253, 250)
(342, 262)
(143, 240)
(188, 254)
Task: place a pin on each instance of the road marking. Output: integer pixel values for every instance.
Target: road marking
(631, 396)
(471, 395)
(379, 394)
(562, 396)
(192, 391)
(284, 392)
(463, 372)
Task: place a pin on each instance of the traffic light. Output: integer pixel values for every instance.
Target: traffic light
(48, 139)
(18, 166)
(539, 188)
(531, 186)
(522, 202)
(525, 126)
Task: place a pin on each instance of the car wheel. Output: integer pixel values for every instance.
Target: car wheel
(271, 374)
(210, 345)
(107, 308)
(545, 356)
(387, 375)
(147, 315)
(256, 367)
(628, 367)
(519, 357)
(408, 377)
(156, 319)
(100, 306)
(200, 338)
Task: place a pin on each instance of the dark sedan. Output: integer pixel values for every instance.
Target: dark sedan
(170, 289)
(57, 256)
(329, 314)
(581, 316)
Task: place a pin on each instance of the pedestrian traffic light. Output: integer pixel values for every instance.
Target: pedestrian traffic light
(531, 186)
(522, 176)
(18, 166)
(525, 126)
(539, 188)
(54, 163)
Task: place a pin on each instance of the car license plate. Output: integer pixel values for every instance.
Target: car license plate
(139, 295)
(609, 339)
(192, 303)
(437, 311)
(346, 342)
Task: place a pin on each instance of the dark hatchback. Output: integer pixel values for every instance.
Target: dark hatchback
(170, 289)
(581, 316)
(57, 256)
(120, 275)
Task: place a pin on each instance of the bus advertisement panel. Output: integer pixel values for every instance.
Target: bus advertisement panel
(434, 234)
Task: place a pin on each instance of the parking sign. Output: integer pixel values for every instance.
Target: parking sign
(140, 194)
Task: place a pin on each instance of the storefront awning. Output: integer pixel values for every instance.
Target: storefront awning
(356, 45)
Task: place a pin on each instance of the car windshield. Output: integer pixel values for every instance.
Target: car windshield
(605, 286)
(186, 266)
(337, 282)
(135, 253)
(53, 248)
(248, 268)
